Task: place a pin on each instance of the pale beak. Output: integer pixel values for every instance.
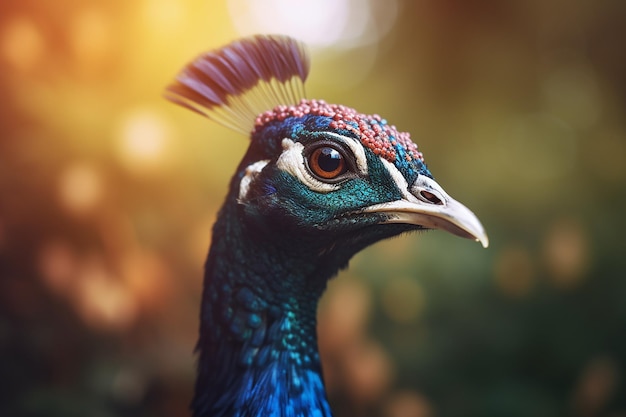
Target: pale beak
(428, 205)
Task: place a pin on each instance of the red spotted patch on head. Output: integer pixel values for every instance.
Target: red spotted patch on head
(381, 138)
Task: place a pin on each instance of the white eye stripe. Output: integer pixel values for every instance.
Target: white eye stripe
(251, 172)
(292, 162)
(399, 179)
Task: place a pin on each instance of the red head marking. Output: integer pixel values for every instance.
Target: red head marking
(374, 132)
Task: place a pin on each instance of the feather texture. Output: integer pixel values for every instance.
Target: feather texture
(234, 84)
(318, 183)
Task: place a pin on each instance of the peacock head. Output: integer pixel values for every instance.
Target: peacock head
(311, 166)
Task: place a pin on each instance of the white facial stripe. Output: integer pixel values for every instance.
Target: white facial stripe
(424, 183)
(399, 179)
(357, 149)
(251, 172)
(292, 162)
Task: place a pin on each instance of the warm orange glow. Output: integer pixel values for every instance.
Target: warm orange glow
(102, 300)
(200, 240)
(91, 35)
(22, 44)
(147, 278)
(143, 140)
(80, 187)
(108, 194)
(369, 371)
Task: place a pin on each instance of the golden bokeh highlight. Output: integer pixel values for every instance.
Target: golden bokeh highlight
(21, 44)
(164, 15)
(369, 370)
(566, 252)
(110, 193)
(145, 140)
(102, 300)
(91, 36)
(81, 187)
(148, 278)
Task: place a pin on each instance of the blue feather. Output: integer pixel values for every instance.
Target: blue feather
(285, 229)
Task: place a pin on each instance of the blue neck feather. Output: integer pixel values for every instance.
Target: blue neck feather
(264, 276)
(270, 260)
(258, 344)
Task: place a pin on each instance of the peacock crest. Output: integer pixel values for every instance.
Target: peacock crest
(259, 80)
(318, 183)
(234, 84)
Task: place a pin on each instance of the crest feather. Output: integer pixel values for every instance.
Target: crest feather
(234, 84)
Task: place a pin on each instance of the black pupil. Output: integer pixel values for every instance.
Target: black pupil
(329, 159)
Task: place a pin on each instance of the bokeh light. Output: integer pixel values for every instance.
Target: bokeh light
(325, 23)
(345, 30)
(166, 15)
(144, 139)
(566, 252)
(92, 36)
(369, 371)
(80, 187)
(103, 301)
(22, 44)
(108, 194)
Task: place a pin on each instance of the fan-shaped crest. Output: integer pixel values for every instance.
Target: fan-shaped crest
(236, 83)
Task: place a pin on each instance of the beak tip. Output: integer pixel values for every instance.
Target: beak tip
(483, 240)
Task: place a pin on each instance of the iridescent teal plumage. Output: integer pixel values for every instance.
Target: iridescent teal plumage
(318, 183)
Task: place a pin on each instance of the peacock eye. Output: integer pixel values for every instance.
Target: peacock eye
(327, 163)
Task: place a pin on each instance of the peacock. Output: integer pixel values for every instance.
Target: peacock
(318, 183)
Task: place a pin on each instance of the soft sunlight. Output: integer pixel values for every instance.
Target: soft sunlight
(144, 136)
(324, 23)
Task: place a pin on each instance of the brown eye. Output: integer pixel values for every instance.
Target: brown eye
(327, 163)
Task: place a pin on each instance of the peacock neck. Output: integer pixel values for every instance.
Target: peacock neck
(258, 343)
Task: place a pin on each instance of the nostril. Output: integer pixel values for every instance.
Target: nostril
(430, 197)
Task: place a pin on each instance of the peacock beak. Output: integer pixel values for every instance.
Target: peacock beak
(426, 204)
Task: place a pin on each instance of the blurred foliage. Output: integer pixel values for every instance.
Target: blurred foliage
(108, 195)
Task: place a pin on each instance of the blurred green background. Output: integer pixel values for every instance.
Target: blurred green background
(108, 194)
